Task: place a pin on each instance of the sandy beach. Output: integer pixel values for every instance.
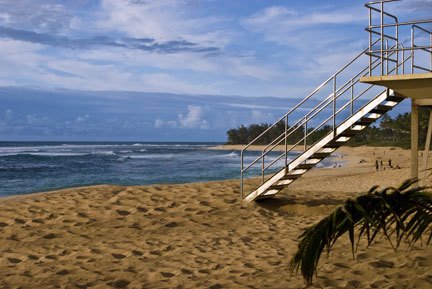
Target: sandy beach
(199, 235)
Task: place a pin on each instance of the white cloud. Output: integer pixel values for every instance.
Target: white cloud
(257, 116)
(35, 120)
(5, 19)
(159, 123)
(163, 20)
(301, 29)
(8, 114)
(40, 16)
(81, 119)
(193, 118)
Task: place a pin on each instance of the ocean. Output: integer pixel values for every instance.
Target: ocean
(27, 167)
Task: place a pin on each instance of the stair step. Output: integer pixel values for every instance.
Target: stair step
(291, 177)
(304, 166)
(350, 132)
(277, 187)
(334, 145)
(267, 195)
(319, 155)
(395, 98)
(365, 121)
(381, 109)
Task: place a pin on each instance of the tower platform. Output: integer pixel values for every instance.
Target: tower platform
(415, 86)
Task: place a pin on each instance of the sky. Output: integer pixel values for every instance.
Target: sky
(178, 70)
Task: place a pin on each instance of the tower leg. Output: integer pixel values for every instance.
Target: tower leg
(414, 140)
(426, 150)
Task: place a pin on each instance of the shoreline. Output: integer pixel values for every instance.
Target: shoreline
(348, 156)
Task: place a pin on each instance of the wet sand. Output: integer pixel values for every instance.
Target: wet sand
(199, 235)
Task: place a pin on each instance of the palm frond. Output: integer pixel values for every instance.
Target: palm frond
(395, 213)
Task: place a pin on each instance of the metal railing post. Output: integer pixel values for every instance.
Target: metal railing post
(305, 134)
(397, 47)
(352, 97)
(387, 59)
(412, 50)
(370, 42)
(286, 142)
(382, 37)
(241, 175)
(334, 105)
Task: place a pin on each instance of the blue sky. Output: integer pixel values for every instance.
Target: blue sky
(181, 59)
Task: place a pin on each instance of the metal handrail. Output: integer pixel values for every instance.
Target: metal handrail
(318, 108)
(309, 96)
(424, 21)
(293, 146)
(377, 57)
(330, 117)
(378, 29)
(304, 121)
(299, 123)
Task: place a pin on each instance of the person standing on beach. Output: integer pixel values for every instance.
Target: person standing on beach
(389, 163)
(376, 165)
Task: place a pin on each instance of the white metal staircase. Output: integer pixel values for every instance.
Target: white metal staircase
(347, 108)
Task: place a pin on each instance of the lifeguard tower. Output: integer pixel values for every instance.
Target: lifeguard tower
(397, 64)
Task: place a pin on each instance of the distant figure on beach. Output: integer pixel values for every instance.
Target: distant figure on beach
(390, 163)
(376, 165)
(381, 164)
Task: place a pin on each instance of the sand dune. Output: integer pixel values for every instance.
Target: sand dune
(197, 235)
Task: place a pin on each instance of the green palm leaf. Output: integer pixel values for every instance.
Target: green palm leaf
(395, 213)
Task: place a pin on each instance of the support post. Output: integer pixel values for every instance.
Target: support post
(426, 150)
(414, 139)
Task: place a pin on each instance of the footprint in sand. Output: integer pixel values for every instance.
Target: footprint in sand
(2, 225)
(38, 221)
(14, 260)
(19, 221)
(33, 257)
(205, 203)
(96, 251)
(51, 257)
(167, 274)
(382, 264)
(186, 271)
(63, 272)
(137, 253)
(50, 236)
(171, 224)
(120, 283)
(83, 215)
(123, 213)
(142, 209)
(118, 256)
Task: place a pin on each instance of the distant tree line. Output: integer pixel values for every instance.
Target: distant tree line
(389, 132)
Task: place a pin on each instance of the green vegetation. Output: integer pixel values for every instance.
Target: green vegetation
(389, 132)
(398, 214)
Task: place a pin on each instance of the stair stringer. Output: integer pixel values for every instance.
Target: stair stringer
(262, 189)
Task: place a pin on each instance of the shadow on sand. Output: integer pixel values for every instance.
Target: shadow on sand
(276, 203)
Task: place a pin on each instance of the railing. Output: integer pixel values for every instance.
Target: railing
(410, 31)
(342, 94)
(314, 117)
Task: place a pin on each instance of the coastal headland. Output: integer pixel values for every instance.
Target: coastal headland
(199, 235)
